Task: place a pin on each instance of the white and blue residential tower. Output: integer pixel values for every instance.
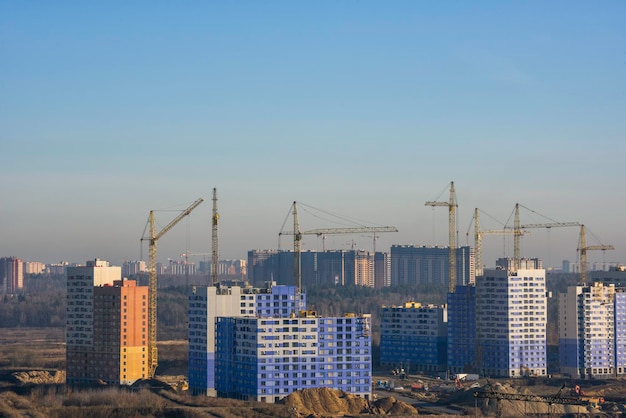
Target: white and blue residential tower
(592, 331)
(208, 303)
(511, 321)
(266, 359)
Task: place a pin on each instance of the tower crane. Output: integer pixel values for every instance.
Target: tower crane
(478, 234)
(152, 278)
(297, 238)
(214, 249)
(518, 232)
(583, 248)
(451, 204)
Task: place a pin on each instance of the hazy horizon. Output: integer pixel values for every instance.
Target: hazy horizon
(364, 109)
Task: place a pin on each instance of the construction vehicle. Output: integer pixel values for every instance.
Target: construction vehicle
(152, 279)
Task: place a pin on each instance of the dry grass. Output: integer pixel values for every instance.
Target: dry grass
(32, 348)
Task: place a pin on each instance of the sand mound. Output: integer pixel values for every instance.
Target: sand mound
(391, 406)
(331, 402)
(515, 408)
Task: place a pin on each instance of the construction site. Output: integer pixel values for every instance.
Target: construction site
(397, 391)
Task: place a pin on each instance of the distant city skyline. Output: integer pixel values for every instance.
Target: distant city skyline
(363, 109)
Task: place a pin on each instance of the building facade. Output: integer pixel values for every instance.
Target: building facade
(524, 263)
(462, 330)
(511, 321)
(382, 270)
(592, 331)
(411, 265)
(266, 359)
(105, 326)
(206, 304)
(11, 274)
(414, 336)
(134, 268)
(34, 267)
(331, 267)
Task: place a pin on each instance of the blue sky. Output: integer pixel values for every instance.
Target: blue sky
(363, 108)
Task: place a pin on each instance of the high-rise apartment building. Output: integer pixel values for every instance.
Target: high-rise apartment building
(266, 359)
(511, 321)
(336, 267)
(462, 330)
(133, 268)
(615, 276)
(34, 267)
(11, 274)
(208, 303)
(592, 331)
(270, 265)
(363, 268)
(414, 336)
(58, 268)
(382, 270)
(524, 263)
(106, 326)
(411, 265)
(620, 332)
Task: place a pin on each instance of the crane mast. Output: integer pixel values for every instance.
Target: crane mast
(518, 231)
(214, 241)
(583, 248)
(297, 238)
(478, 245)
(451, 235)
(478, 237)
(154, 237)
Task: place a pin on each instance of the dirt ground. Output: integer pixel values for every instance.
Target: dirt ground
(43, 350)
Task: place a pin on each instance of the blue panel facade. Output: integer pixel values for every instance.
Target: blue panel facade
(345, 353)
(273, 301)
(568, 352)
(620, 332)
(596, 314)
(462, 329)
(411, 265)
(266, 359)
(511, 323)
(414, 336)
(281, 301)
(201, 369)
